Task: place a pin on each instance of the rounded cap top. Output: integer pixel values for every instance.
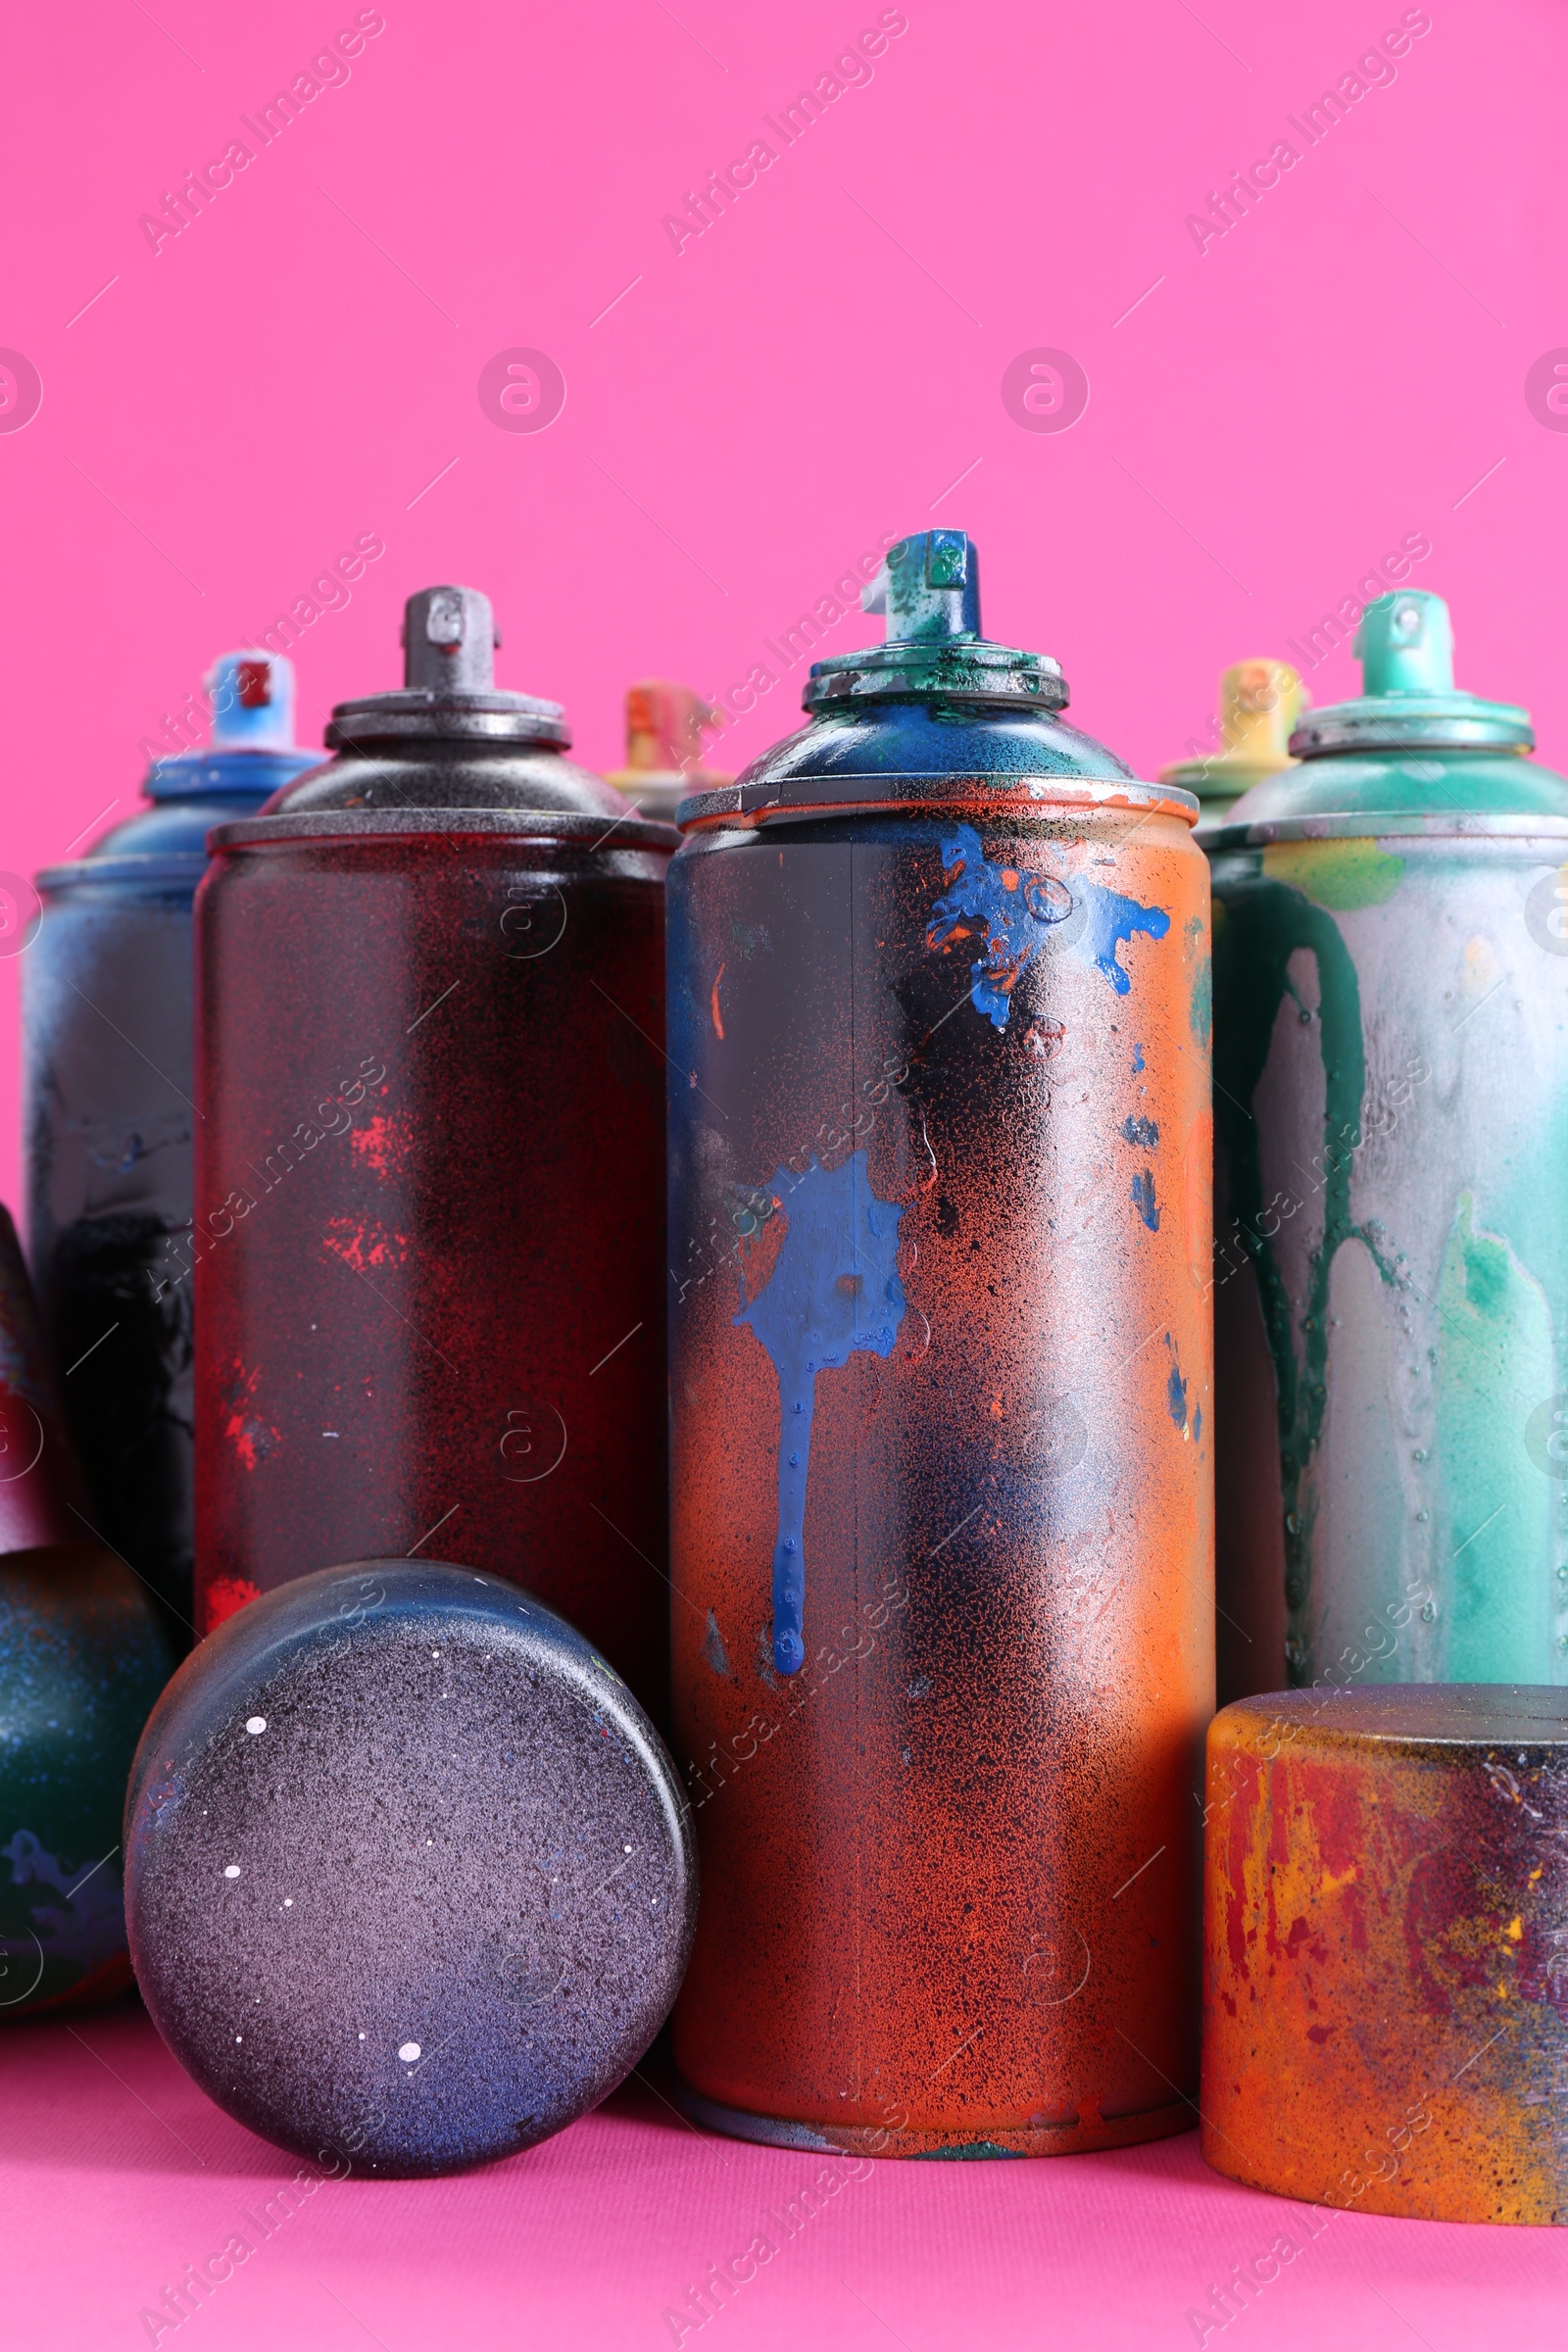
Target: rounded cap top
(449, 688)
(1260, 703)
(410, 1881)
(251, 748)
(1405, 648)
(929, 591)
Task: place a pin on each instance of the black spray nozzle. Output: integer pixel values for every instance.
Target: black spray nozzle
(448, 642)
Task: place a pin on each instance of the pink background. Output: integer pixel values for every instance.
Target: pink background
(809, 377)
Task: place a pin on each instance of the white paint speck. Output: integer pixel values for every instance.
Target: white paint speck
(362, 2037)
(329, 1433)
(256, 1725)
(239, 2038)
(625, 1850)
(232, 1871)
(288, 1902)
(409, 2051)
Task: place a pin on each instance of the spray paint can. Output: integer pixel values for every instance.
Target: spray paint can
(664, 728)
(430, 1233)
(1259, 705)
(82, 1659)
(106, 1023)
(941, 1420)
(1392, 1262)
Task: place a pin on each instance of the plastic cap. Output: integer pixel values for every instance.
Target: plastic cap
(252, 695)
(1258, 706)
(1406, 645)
(928, 587)
(664, 725)
(448, 642)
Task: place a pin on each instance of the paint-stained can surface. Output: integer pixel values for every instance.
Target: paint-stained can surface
(82, 1658)
(1392, 1260)
(940, 1390)
(108, 1114)
(1385, 1950)
(429, 1240)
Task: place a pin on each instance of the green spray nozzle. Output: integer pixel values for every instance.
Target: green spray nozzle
(1406, 645)
(928, 587)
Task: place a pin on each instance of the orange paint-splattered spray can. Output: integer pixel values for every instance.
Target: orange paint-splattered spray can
(942, 1546)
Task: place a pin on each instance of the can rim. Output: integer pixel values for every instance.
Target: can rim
(152, 870)
(373, 824)
(908, 792)
(1450, 824)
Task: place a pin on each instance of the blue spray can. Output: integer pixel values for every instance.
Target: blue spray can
(107, 1044)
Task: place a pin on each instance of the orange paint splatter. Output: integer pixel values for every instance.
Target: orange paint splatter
(718, 1019)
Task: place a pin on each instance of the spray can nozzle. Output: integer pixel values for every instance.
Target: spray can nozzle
(928, 587)
(1406, 645)
(252, 695)
(448, 642)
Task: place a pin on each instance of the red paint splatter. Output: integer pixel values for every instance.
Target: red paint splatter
(226, 1596)
(719, 1019)
(378, 1145)
(363, 1246)
(252, 1438)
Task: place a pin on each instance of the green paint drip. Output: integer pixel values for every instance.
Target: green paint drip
(1266, 922)
(1495, 1364)
(1201, 1005)
(1341, 875)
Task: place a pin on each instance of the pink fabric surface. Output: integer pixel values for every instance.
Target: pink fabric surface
(116, 2173)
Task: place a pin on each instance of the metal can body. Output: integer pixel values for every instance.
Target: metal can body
(428, 1245)
(108, 1118)
(940, 1237)
(106, 1021)
(1392, 1275)
(82, 1660)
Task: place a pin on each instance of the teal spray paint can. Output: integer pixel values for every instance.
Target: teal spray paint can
(1391, 1095)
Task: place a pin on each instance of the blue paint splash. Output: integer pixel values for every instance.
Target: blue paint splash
(1144, 1198)
(1138, 1059)
(1015, 909)
(1142, 1131)
(834, 1290)
(1176, 1397)
(1113, 920)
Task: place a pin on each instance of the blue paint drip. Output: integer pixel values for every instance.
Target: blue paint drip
(1142, 1131)
(1018, 911)
(1144, 1198)
(1176, 1398)
(1113, 919)
(834, 1290)
(1138, 1059)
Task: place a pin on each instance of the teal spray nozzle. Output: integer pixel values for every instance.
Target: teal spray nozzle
(1409, 698)
(928, 587)
(1406, 645)
(1411, 745)
(928, 591)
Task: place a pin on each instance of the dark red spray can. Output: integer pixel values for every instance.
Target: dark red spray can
(939, 1145)
(429, 1225)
